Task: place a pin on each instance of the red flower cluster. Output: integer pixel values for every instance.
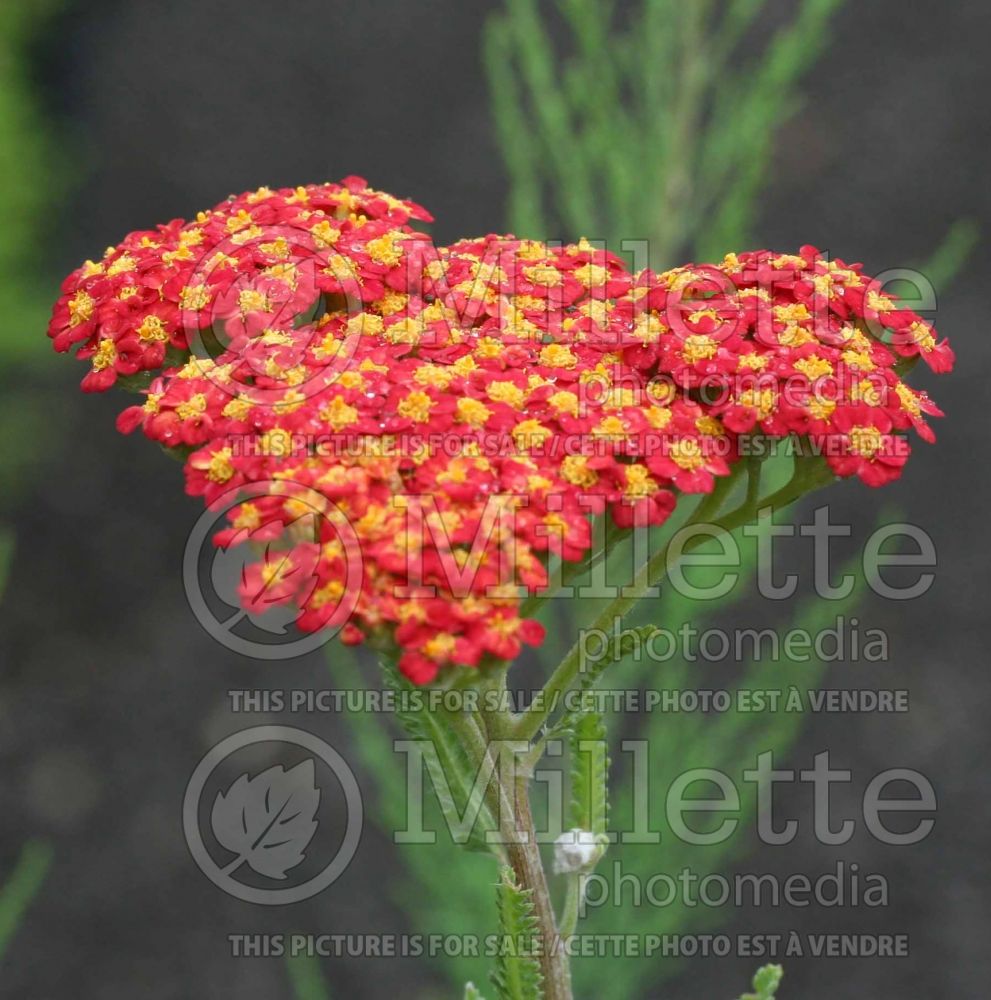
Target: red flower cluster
(460, 412)
(250, 261)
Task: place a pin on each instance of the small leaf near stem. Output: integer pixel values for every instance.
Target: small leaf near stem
(766, 982)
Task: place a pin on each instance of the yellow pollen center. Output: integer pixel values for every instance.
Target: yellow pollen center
(80, 308)
(192, 408)
(865, 441)
(564, 402)
(575, 470)
(557, 356)
(153, 329)
(252, 300)
(698, 348)
(220, 469)
(506, 392)
(821, 409)
(813, 366)
(416, 407)
(686, 453)
(105, 356)
(639, 482)
(762, 401)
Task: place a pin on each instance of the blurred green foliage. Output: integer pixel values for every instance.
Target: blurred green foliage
(658, 126)
(29, 180)
(306, 978)
(21, 887)
(423, 889)
(33, 183)
(6, 557)
(949, 258)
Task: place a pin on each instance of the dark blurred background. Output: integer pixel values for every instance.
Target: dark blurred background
(110, 693)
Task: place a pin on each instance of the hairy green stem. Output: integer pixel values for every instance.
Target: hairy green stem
(524, 856)
(509, 798)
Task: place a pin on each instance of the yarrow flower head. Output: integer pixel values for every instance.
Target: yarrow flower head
(463, 413)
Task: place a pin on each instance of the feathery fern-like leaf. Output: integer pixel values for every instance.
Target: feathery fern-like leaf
(517, 972)
(306, 978)
(589, 775)
(454, 777)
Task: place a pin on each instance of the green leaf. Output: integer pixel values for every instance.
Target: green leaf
(6, 557)
(21, 888)
(471, 992)
(766, 982)
(641, 125)
(748, 109)
(525, 211)
(32, 176)
(554, 127)
(517, 973)
(306, 978)
(949, 258)
(739, 16)
(454, 777)
(589, 775)
(422, 889)
(617, 648)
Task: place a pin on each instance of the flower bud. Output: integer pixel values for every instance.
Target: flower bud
(578, 851)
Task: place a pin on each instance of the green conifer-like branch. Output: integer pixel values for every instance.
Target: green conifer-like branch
(656, 129)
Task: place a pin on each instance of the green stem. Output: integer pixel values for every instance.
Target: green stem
(754, 469)
(509, 798)
(572, 904)
(570, 571)
(524, 856)
(808, 475)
